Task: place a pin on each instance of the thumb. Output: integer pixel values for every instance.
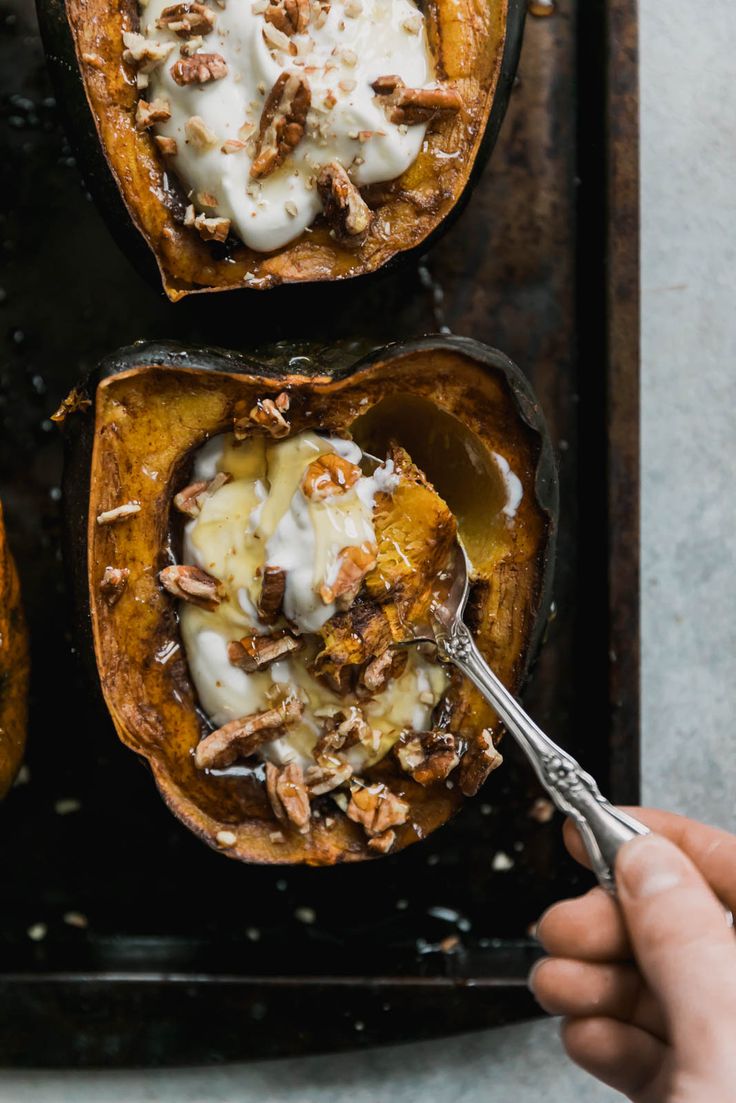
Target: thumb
(683, 943)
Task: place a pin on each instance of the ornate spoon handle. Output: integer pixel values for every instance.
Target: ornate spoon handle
(604, 829)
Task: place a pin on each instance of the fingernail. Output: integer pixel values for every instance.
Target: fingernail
(648, 865)
(532, 973)
(537, 933)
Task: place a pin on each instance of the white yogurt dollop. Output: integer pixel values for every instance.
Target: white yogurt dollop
(358, 41)
(304, 538)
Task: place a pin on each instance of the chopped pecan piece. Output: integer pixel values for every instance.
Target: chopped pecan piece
(288, 795)
(376, 808)
(347, 213)
(198, 134)
(288, 16)
(190, 46)
(147, 114)
(410, 106)
(330, 773)
(254, 653)
(191, 498)
(428, 756)
(186, 19)
(353, 564)
(320, 9)
(283, 120)
(345, 732)
(168, 146)
(144, 53)
(192, 584)
(75, 401)
(376, 675)
(383, 843)
(268, 413)
(272, 594)
(113, 582)
(199, 69)
(188, 500)
(240, 738)
(479, 761)
(329, 475)
(212, 229)
(232, 145)
(118, 514)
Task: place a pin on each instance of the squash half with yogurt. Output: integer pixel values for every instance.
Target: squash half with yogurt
(245, 568)
(263, 142)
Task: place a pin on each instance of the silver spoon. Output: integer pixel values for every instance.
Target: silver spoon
(603, 828)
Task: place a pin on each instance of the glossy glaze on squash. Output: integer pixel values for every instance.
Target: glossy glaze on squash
(458, 406)
(475, 48)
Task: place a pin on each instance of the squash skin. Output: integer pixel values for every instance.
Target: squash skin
(139, 393)
(14, 667)
(125, 174)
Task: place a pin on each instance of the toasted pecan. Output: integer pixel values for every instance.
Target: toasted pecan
(346, 212)
(329, 475)
(191, 498)
(288, 16)
(268, 414)
(186, 19)
(253, 653)
(411, 106)
(282, 125)
(376, 808)
(383, 843)
(353, 564)
(199, 69)
(168, 146)
(192, 584)
(273, 588)
(428, 756)
(344, 731)
(479, 761)
(212, 228)
(148, 114)
(329, 773)
(377, 673)
(144, 53)
(288, 795)
(240, 738)
(118, 513)
(113, 583)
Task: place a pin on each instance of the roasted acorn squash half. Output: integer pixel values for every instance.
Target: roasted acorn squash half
(470, 423)
(475, 49)
(14, 666)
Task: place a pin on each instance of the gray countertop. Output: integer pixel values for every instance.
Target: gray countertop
(688, 583)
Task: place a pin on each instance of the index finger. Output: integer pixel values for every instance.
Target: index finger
(712, 850)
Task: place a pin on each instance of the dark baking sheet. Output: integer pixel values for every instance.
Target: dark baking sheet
(187, 956)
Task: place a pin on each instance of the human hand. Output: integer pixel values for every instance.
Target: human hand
(647, 985)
